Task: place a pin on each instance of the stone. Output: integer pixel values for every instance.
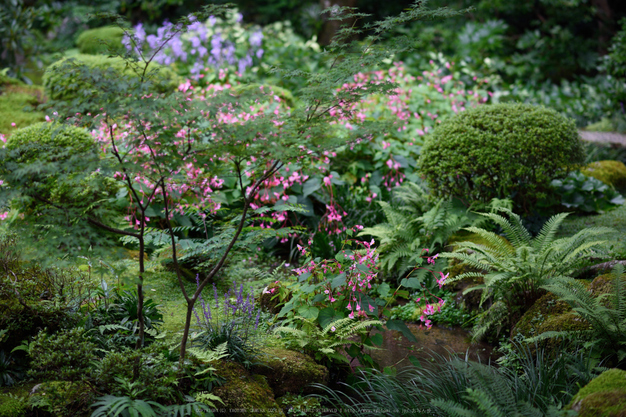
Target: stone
(603, 396)
(288, 371)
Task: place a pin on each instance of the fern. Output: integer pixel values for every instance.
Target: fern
(324, 342)
(413, 224)
(605, 313)
(515, 269)
(220, 352)
(110, 405)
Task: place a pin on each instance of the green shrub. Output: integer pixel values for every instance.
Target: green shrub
(100, 40)
(58, 147)
(62, 399)
(146, 367)
(66, 355)
(65, 79)
(500, 151)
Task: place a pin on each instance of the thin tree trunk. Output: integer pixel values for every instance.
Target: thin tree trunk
(330, 27)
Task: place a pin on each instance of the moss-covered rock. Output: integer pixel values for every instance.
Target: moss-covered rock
(548, 314)
(244, 394)
(604, 396)
(288, 371)
(609, 172)
(100, 40)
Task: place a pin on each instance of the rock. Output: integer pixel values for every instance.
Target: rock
(290, 372)
(612, 173)
(548, 314)
(244, 394)
(604, 396)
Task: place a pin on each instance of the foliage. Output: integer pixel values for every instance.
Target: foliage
(65, 355)
(587, 194)
(64, 80)
(614, 65)
(9, 371)
(451, 315)
(100, 40)
(233, 322)
(487, 152)
(515, 270)
(605, 312)
(466, 388)
(113, 324)
(323, 343)
(298, 406)
(12, 406)
(146, 368)
(611, 172)
(17, 37)
(414, 223)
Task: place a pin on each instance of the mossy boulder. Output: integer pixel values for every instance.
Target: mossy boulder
(244, 394)
(548, 313)
(100, 40)
(612, 173)
(604, 396)
(288, 371)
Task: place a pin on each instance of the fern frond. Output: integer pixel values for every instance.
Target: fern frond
(546, 235)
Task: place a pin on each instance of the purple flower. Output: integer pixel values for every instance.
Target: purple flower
(256, 39)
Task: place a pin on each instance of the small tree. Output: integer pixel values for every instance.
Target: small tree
(168, 152)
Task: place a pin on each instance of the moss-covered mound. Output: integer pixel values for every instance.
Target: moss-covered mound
(67, 78)
(290, 372)
(604, 396)
(100, 40)
(609, 172)
(548, 314)
(243, 394)
(18, 104)
(500, 151)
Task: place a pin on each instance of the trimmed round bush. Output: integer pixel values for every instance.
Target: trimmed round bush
(501, 151)
(55, 134)
(65, 79)
(59, 147)
(91, 41)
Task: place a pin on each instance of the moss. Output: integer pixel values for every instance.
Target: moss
(244, 395)
(91, 41)
(288, 371)
(12, 406)
(548, 314)
(612, 173)
(18, 104)
(603, 396)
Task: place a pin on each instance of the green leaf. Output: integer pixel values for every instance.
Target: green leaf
(312, 185)
(329, 315)
(309, 312)
(377, 339)
(400, 326)
(338, 281)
